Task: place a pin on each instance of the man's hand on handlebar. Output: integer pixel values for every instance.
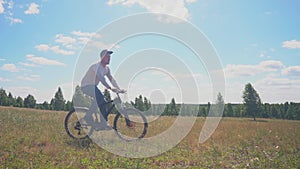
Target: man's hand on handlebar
(118, 90)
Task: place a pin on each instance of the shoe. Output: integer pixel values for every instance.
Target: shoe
(130, 125)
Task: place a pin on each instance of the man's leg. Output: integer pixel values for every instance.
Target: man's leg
(102, 106)
(93, 108)
(94, 92)
(89, 90)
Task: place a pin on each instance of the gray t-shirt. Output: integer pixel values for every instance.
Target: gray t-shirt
(96, 73)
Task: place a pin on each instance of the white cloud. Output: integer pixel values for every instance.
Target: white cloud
(41, 94)
(190, 1)
(92, 40)
(64, 40)
(85, 37)
(58, 50)
(10, 4)
(271, 89)
(10, 68)
(194, 76)
(232, 70)
(233, 92)
(86, 34)
(276, 90)
(43, 61)
(67, 89)
(67, 45)
(8, 11)
(29, 77)
(27, 64)
(293, 71)
(33, 9)
(2, 59)
(83, 40)
(69, 42)
(240, 70)
(101, 45)
(273, 81)
(55, 49)
(14, 20)
(23, 91)
(270, 65)
(2, 6)
(4, 80)
(42, 47)
(172, 7)
(292, 44)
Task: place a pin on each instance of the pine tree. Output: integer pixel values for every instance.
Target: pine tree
(58, 101)
(208, 108)
(252, 102)
(201, 111)
(147, 104)
(3, 98)
(19, 102)
(45, 105)
(229, 110)
(10, 99)
(293, 112)
(79, 99)
(139, 104)
(173, 110)
(219, 107)
(68, 106)
(29, 102)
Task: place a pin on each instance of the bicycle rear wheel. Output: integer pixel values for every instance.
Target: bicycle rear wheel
(74, 128)
(138, 128)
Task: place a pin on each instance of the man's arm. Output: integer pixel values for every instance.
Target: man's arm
(103, 81)
(112, 80)
(100, 77)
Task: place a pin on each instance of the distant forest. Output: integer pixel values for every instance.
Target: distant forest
(251, 106)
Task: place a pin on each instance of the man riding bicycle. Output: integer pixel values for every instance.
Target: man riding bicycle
(95, 74)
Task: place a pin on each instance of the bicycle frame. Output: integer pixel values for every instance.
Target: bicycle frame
(115, 102)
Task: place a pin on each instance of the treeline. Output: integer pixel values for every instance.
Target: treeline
(251, 106)
(287, 110)
(57, 103)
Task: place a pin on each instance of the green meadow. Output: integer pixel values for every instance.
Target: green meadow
(31, 138)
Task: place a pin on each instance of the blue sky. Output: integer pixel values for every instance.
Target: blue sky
(257, 42)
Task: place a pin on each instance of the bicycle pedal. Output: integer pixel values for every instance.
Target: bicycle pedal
(77, 126)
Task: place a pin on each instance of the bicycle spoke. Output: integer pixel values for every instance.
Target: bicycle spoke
(73, 126)
(133, 129)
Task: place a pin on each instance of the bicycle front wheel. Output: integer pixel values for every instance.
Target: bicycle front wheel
(73, 126)
(130, 124)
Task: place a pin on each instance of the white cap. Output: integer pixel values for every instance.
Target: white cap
(104, 52)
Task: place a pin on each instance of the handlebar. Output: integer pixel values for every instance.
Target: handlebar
(118, 99)
(120, 92)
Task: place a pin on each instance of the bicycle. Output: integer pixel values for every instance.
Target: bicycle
(136, 131)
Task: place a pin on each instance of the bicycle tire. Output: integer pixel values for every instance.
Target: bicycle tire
(137, 131)
(72, 126)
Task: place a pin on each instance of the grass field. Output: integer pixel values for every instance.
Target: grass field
(36, 139)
